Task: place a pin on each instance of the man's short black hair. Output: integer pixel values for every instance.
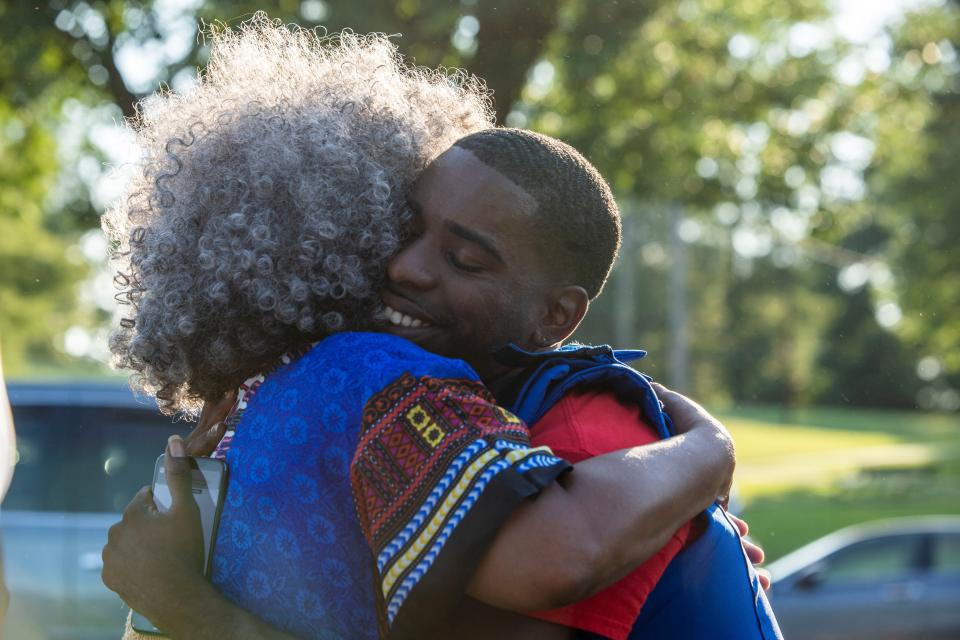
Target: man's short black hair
(576, 214)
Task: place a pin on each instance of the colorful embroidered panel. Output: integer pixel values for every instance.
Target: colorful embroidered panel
(429, 449)
(409, 430)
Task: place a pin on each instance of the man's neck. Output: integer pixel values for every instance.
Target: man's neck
(505, 381)
(505, 385)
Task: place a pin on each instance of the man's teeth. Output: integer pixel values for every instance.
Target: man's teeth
(403, 320)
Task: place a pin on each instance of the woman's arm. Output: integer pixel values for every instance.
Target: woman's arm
(154, 561)
(615, 511)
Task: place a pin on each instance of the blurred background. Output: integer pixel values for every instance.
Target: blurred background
(788, 170)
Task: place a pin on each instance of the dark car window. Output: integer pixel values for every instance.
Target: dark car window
(946, 553)
(879, 559)
(84, 458)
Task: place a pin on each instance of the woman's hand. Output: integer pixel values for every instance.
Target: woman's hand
(685, 413)
(754, 552)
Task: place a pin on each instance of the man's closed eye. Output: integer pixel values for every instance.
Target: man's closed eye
(460, 265)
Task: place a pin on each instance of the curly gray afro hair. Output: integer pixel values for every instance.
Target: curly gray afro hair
(268, 200)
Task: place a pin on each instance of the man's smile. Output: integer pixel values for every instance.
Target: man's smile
(402, 313)
(400, 319)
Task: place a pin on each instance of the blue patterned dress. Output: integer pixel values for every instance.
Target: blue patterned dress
(366, 478)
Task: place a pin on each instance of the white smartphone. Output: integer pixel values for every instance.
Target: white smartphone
(209, 489)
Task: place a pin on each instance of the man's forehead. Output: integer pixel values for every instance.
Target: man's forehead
(459, 174)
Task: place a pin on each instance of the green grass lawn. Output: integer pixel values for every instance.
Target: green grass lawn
(804, 473)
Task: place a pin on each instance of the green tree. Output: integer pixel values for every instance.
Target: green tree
(96, 58)
(921, 201)
(38, 281)
(764, 125)
(711, 104)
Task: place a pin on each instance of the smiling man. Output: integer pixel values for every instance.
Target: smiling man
(457, 287)
(513, 234)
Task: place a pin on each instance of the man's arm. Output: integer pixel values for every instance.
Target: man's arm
(615, 511)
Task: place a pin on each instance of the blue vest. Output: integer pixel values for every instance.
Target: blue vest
(710, 590)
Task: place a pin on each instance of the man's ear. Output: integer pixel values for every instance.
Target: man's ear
(564, 309)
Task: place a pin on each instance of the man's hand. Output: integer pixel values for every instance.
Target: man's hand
(151, 558)
(210, 428)
(154, 561)
(685, 413)
(688, 415)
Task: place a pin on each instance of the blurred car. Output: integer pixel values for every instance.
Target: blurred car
(83, 451)
(881, 580)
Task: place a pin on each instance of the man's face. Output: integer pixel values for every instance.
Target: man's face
(469, 280)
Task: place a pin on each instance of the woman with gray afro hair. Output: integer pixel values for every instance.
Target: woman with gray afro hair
(268, 200)
(251, 251)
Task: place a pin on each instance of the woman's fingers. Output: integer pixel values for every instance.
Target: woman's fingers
(198, 445)
(764, 577)
(211, 427)
(741, 525)
(754, 552)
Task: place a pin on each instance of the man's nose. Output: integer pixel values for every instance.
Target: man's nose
(412, 267)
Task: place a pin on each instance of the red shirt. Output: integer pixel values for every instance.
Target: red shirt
(582, 425)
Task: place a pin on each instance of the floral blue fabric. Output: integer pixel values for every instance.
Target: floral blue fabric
(367, 478)
(289, 546)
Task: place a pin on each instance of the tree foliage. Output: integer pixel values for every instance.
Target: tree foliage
(768, 128)
(814, 175)
(921, 201)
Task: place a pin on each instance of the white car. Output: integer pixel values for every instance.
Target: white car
(83, 452)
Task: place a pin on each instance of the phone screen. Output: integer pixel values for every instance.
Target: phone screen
(209, 487)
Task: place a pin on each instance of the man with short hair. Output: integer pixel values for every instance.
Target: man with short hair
(514, 233)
